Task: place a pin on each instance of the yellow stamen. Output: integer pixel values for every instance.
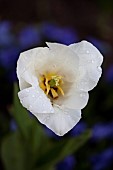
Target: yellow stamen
(43, 87)
(54, 93)
(42, 78)
(49, 76)
(47, 86)
(51, 84)
(60, 89)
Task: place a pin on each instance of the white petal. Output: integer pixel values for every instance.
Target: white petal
(76, 100)
(35, 100)
(89, 66)
(28, 63)
(66, 60)
(87, 53)
(61, 121)
(89, 77)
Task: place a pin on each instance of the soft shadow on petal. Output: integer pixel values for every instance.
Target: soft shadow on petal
(66, 60)
(61, 121)
(76, 100)
(35, 100)
(28, 79)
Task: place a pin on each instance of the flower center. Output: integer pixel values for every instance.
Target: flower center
(51, 84)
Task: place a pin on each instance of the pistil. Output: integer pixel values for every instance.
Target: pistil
(51, 85)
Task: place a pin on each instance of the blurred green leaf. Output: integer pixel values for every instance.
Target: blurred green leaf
(26, 122)
(30, 148)
(14, 154)
(21, 154)
(36, 140)
(31, 130)
(61, 149)
(20, 114)
(4, 127)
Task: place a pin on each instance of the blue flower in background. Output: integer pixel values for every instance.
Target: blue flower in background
(109, 74)
(102, 160)
(67, 164)
(55, 33)
(78, 129)
(6, 37)
(13, 125)
(29, 36)
(8, 57)
(102, 131)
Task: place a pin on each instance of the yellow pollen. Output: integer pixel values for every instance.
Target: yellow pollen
(51, 84)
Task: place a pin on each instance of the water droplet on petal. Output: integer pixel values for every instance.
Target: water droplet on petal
(83, 83)
(40, 97)
(25, 57)
(30, 107)
(99, 69)
(43, 105)
(87, 52)
(81, 95)
(21, 101)
(27, 90)
(78, 86)
(24, 69)
(67, 114)
(51, 110)
(92, 61)
(48, 117)
(44, 111)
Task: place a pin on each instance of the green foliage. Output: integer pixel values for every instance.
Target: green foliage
(60, 149)
(20, 113)
(14, 153)
(30, 148)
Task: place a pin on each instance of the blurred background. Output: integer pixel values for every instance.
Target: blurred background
(25, 144)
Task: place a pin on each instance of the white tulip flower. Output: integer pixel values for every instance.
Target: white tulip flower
(54, 82)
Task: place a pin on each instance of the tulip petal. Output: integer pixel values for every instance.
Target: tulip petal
(87, 53)
(90, 60)
(74, 100)
(89, 78)
(35, 100)
(29, 65)
(61, 121)
(65, 60)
